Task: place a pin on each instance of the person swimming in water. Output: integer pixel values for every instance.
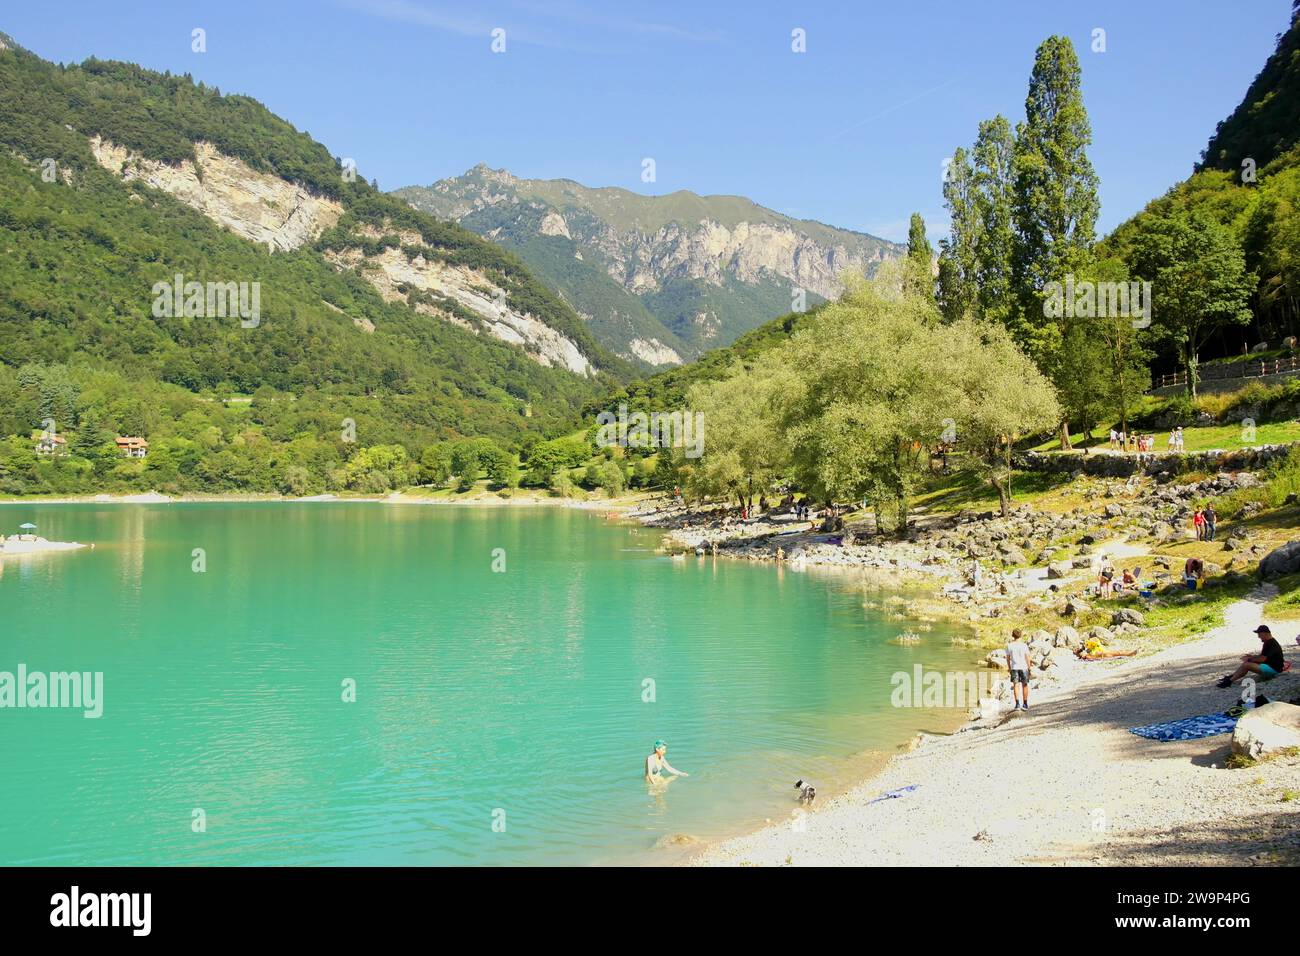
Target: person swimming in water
(656, 767)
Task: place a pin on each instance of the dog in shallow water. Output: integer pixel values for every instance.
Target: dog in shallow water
(807, 792)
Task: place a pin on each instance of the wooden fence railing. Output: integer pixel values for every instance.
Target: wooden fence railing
(1259, 369)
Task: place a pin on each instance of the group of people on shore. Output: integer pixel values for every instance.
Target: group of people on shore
(1267, 664)
(1120, 441)
(1020, 663)
(1109, 586)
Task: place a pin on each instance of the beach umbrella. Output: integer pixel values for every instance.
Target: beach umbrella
(28, 526)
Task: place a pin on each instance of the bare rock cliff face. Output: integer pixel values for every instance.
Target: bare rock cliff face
(393, 274)
(747, 252)
(266, 209)
(258, 206)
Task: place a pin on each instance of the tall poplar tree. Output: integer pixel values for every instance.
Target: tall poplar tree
(957, 266)
(1055, 192)
(993, 200)
(920, 256)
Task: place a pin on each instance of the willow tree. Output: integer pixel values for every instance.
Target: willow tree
(851, 406)
(998, 396)
(741, 415)
(860, 423)
(883, 382)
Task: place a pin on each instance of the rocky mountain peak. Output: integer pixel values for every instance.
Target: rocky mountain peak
(656, 276)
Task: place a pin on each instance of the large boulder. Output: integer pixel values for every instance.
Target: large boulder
(1076, 605)
(1067, 637)
(1056, 655)
(1266, 730)
(1012, 555)
(1058, 569)
(1126, 615)
(1283, 560)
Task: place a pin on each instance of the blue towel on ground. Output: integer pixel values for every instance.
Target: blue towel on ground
(895, 794)
(1189, 728)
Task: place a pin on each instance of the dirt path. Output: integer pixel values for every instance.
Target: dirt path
(1067, 784)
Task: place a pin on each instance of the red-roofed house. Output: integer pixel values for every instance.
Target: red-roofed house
(133, 447)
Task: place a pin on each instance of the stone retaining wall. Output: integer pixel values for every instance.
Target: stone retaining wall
(1106, 465)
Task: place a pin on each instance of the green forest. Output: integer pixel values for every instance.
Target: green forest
(297, 405)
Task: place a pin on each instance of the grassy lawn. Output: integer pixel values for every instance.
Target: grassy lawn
(1202, 437)
(1180, 616)
(1286, 606)
(1231, 436)
(962, 490)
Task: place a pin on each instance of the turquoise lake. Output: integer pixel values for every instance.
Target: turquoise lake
(498, 716)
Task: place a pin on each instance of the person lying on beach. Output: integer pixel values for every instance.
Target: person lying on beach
(1095, 650)
(656, 767)
(1267, 663)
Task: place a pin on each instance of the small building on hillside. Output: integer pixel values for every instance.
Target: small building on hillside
(48, 443)
(133, 447)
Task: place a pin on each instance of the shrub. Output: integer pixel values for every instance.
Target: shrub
(562, 484)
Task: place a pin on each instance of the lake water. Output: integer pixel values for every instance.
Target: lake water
(498, 716)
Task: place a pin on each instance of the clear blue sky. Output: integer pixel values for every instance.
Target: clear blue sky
(853, 132)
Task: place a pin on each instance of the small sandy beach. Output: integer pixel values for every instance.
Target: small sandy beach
(1066, 783)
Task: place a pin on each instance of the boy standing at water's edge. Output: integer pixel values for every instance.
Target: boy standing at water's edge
(1018, 664)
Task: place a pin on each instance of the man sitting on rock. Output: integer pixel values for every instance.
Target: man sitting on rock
(1267, 663)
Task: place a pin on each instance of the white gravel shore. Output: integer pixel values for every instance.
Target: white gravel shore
(1066, 783)
(13, 546)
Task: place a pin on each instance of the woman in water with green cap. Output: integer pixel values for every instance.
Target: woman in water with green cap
(656, 766)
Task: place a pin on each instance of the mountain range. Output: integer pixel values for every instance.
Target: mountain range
(658, 279)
